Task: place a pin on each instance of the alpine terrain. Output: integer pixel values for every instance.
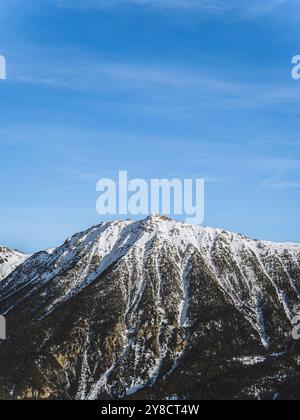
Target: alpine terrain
(151, 310)
(9, 261)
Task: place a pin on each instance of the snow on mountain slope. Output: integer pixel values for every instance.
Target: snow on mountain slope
(9, 261)
(153, 308)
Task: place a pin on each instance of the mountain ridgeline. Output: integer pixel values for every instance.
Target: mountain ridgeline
(154, 309)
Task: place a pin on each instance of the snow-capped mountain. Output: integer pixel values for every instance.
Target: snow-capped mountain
(152, 309)
(9, 261)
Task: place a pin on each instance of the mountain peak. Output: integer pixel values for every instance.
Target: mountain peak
(156, 217)
(148, 307)
(9, 261)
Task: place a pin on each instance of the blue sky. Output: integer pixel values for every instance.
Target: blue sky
(162, 88)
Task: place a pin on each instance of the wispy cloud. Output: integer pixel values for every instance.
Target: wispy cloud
(242, 8)
(142, 84)
(283, 185)
(100, 76)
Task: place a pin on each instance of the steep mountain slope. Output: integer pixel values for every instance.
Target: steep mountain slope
(152, 309)
(9, 261)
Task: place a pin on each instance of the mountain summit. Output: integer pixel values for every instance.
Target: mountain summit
(9, 261)
(152, 309)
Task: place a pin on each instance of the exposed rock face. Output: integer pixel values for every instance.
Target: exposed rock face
(9, 261)
(153, 309)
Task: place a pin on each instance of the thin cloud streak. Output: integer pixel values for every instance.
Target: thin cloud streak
(283, 185)
(241, 8)
(171, 89)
